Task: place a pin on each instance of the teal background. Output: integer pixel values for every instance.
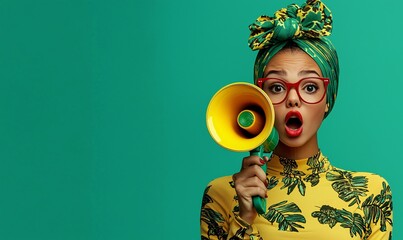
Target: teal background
(102, 109)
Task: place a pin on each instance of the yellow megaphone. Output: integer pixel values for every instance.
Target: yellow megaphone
(240, 117)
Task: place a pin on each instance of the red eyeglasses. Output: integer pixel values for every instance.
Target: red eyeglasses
(310, 90)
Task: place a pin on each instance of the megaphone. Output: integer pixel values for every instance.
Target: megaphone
(240, 118)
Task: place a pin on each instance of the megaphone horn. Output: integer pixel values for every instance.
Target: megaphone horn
(240, 117)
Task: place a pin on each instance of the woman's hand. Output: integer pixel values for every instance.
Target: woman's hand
(250, 181)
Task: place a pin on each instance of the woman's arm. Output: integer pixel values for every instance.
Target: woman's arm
(219, 219)
(226, 199)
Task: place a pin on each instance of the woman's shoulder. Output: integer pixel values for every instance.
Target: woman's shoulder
(220, 187)
(224, 183)
(219, 194)
(372, 182)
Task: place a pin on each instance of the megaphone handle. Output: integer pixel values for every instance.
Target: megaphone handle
(258, 202)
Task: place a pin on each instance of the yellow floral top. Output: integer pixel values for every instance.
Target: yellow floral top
(307, 199)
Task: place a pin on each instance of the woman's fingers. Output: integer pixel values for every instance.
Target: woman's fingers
(249, 182)
(250, 172)
(251, 187)
(253, 160)
(252, 166)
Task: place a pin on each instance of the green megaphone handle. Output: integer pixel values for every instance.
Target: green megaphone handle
(258, 202)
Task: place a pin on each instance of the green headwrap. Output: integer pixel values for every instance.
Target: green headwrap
(308, 27)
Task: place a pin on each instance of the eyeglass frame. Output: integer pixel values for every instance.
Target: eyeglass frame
(326, 81)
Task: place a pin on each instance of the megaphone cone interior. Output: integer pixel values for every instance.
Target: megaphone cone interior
(226, 106)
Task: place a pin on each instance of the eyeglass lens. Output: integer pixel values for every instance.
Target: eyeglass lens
(310, 90)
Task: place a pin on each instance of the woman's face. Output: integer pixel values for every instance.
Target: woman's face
(297, 122)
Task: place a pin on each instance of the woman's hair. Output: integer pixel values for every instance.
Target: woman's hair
(291, 46)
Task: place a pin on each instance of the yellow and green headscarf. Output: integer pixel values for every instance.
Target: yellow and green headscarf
(308, 27)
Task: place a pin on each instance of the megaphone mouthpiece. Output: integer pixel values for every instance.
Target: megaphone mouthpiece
(251, 121)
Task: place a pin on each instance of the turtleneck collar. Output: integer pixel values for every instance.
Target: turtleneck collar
(315, 164)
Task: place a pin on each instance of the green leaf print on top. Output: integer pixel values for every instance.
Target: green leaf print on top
(280, 213)
(332, 216)
(317, 166)
(295, 178)
(348, 187)
(212, 218)
(206, 197)
(379, 208)
(292, 178)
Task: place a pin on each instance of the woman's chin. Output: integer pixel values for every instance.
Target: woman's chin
(301, 142)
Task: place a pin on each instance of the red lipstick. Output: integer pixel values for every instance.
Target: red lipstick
(293, 124)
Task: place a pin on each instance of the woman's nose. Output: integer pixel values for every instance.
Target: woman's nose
(293, 98)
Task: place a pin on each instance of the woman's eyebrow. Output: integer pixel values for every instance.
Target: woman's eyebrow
(276, 72)
(307, 72)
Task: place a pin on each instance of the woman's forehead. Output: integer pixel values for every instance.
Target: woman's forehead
(292, 62)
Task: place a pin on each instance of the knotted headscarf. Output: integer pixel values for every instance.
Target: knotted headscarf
(308, 26)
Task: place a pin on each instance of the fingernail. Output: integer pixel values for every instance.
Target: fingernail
(266, 195)
(262, 161)
(266, 183)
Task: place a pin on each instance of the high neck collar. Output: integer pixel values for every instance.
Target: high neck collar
(315, 164)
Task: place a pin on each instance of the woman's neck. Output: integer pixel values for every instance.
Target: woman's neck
(307, 150)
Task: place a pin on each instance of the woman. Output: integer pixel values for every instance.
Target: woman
(307, 197)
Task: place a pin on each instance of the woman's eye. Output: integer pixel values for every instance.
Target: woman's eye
(276, 88)
(310, 88)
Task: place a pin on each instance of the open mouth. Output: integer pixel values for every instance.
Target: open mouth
(293, 123)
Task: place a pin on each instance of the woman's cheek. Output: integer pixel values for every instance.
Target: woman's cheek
(279, 122)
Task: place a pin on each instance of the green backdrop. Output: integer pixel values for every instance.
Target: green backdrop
(102, 109)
